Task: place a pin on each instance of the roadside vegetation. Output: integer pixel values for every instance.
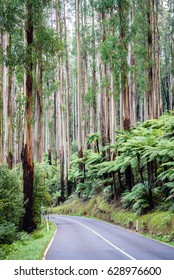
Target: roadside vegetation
(156, 224)
(14, 242)
(28, 246)
(137, 172)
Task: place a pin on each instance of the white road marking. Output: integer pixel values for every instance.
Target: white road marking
(115, 247)
(49, 245)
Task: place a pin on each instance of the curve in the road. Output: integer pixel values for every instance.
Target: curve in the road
(115, 247)
(89, 239)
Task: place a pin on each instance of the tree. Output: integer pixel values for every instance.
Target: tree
(27, 153)
(79, 92)
(123, 7)
(8, 147)
(1, 101)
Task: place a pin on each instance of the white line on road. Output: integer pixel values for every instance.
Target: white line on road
(115, 247)
(49, 245)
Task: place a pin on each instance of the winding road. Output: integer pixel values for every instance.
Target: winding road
(81, 238)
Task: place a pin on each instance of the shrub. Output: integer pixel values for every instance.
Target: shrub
(42, 174)
(11, 203)
(8, 233)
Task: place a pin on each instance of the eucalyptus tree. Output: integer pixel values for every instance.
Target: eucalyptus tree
(31, 10)
(27, 149)
(79, 86)
(123, 10)
(1, 102)
(8, 22)
(167, 53)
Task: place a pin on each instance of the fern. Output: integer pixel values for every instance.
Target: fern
(137, 199)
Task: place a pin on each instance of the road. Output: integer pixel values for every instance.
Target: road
(81, 238)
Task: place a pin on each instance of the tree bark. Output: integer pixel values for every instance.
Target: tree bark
(131, 74)
(94, 102)
(67, 94)
(123, 15)
(1, 103)
(7, 104)
(38, 105)
(79, 99)
(27, 154)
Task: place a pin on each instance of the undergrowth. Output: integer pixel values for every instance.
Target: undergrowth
(158, 224)
(28, 246)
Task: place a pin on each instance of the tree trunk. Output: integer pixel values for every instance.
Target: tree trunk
(102, 111)
(153, 68)
(62, 181)
(94, 103)
(49, 134)
(123, 15)
(79, 99)
(55, 128)
(1, 104)
(8, 139)
(38, 105)
(131, 74)
(68, 95)
(27, 154)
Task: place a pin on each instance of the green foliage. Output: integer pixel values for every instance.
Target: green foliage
(10, 12)
(137, 199)
(43, 174)
(11, 203)
(167, 177)
(93, 137)
(88, 189)
(151, 141)
(28, 246)
(8, 232)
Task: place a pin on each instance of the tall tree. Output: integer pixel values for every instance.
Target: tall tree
(153, 60)
(27, 153)
(123, 7)
(7, 106)
(69, 149)
(38, 109)
(1, 101)
(79, 92)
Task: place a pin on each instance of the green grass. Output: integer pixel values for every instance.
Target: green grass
(30, 246)
(156, 224)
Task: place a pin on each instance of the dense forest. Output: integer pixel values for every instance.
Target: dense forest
(86, 100)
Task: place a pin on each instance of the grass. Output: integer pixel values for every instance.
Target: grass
(30, 246)
(156, 224)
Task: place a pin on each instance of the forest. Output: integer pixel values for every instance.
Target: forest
(86, 106)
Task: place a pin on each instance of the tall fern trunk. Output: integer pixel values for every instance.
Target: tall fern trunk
(49, 157)
(140, 169)
(150, 183)
(115, 190)
(62, 182)
(97, 146)
(129, 178)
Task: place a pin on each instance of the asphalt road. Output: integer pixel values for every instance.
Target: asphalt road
(80, 238)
